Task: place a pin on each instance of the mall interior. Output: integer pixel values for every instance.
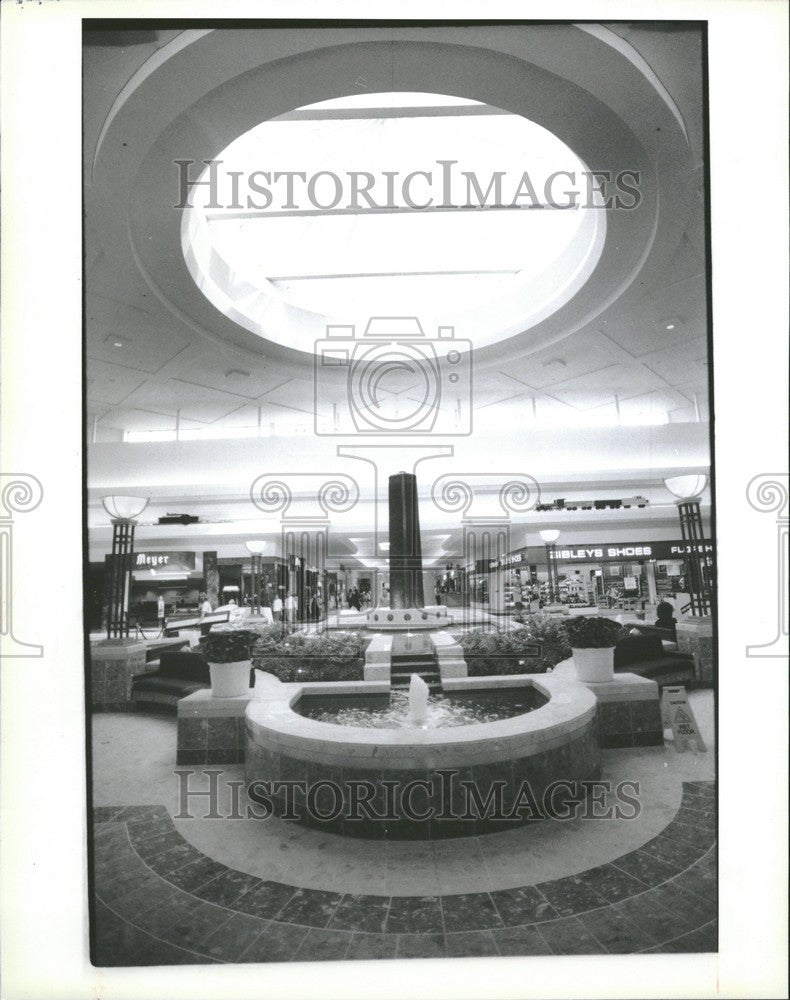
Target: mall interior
(261, 368)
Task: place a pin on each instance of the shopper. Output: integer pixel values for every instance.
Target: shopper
(666, 618)
(205, 607)
(160, 611)
(290, 608)
(277, 608)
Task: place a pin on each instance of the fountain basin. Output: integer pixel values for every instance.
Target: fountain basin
(419, 783)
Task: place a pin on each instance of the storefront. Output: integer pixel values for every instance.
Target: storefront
(624, 575)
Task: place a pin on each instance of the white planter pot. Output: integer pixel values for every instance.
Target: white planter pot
(230, 680)
(594, 666)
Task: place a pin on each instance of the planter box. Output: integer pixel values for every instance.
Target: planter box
(230, 680)
(318, 668)
(594, 666)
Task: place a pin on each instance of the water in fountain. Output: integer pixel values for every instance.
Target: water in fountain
(418, 700)
(443, 710)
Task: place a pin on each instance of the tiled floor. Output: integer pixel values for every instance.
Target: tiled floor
(286, 852)
(159, 900)
(205, 890)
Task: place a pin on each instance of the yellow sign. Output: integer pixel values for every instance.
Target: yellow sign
(677, 715)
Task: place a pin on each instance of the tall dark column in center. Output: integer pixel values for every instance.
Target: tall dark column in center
(405, 550)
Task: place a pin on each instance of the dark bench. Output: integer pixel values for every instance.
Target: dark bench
(645, 656)
(176, 675)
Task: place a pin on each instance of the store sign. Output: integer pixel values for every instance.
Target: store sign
(605, 552)
(514, 559)
(642, 550)
(171, 561)
(672, 551)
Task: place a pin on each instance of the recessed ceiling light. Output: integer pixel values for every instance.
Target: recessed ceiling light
(117, 343)
(670, 326)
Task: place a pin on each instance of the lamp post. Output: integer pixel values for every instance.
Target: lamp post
(256, 548)
(123, 510)
(687, 490)
(549, 536)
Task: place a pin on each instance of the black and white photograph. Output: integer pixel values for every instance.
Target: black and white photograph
(395, 515)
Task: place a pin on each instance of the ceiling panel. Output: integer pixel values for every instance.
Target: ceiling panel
(110, 383)
(576, 355)
(130, 334)
(682, 363)
(194, 402)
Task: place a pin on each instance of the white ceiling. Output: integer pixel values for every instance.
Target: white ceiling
(150, 365)
(163, 367)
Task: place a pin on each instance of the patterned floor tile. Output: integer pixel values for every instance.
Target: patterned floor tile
(323, 945)
(522, 906)
(415, 914)
(469, 912)
(421, 946)
(615, 931)
(520, 941)
(230, 940)
(370, 946)
(361, 913)
(569, 936)
(310, 907)
(166, 903)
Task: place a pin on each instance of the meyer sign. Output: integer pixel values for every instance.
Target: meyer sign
(184, 561)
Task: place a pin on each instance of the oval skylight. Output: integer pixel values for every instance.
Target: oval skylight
(424, 205)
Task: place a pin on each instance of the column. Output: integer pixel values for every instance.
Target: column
(405, 554)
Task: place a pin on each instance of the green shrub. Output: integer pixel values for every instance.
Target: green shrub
(296, 656)
(489, 653)
(592, 632)
(228, 646)
(553, 640)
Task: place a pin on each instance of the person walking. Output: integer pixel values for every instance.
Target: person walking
(277, 608)
(160, 612)
(290, 608)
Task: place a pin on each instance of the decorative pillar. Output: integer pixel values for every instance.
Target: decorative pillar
(116, 660)
(695, 632)
(123, 510)
(21, 493)
(688, 490)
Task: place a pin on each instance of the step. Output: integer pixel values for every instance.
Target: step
(432, 688)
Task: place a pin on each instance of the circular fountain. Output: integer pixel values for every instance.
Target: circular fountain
(441, 757)
(427, 776)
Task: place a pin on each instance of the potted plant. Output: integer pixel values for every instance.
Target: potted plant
(228, 655)
(592, 642)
